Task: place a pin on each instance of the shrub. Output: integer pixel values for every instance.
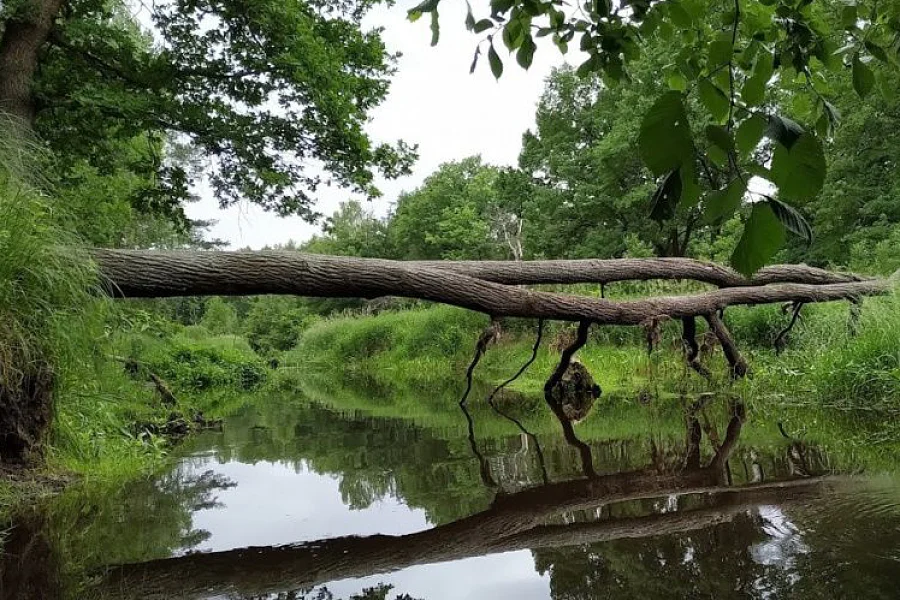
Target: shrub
(200, 365)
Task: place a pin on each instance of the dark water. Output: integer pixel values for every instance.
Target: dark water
(293, 500)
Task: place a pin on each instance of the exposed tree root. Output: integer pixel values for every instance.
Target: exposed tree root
(691, 348)
(780, 339)
(736, 362)
(587, 462)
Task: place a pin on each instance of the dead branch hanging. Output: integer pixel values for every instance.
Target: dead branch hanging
(522, 428)
(780, 339)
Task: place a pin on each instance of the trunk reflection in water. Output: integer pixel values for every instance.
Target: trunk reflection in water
(687, 513)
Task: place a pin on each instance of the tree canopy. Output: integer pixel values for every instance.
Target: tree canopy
(275, 95)
(732, 57)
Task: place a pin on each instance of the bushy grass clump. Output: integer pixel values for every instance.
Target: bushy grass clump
(192, 364)
(422, 344)
(861, 369)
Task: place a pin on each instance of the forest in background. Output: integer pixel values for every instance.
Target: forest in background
(100, 170)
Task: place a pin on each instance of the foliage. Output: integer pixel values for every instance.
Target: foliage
(730, 57)
(857, 211)
(196, 365)
(259, 88)
(274, 323)
(350, 231)
(219, 317)
(451, 216)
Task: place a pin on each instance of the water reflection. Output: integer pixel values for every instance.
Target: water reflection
(299, 501)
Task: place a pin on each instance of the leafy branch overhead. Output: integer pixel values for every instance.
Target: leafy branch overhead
(718, 129)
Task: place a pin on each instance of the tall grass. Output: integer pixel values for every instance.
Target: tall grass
(52, 329)
(824, 362)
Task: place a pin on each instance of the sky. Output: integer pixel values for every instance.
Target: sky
(433, 102)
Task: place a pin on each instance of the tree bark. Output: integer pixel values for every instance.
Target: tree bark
(531, 272)
(24, 35)
(148, 274)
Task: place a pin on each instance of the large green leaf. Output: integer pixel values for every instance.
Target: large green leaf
(799, 172)
(783, 130)
(749, 133)
(495, 62)
(763, 236)
(792, 219)
(863, 77)
(666, 197)
(721, 204)
(714, 99)
(665, 137)
(525, 54)
(754, 90)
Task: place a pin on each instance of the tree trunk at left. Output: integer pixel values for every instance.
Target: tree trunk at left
(24, 34)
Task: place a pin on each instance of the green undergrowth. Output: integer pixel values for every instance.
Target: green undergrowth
(828, 362)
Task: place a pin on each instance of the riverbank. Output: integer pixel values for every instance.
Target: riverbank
(834, 361)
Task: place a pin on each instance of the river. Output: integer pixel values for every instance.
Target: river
(294, 498)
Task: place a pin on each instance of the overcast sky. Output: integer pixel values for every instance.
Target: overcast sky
(433, 102)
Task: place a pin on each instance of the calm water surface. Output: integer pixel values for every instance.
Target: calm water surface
(294, 500)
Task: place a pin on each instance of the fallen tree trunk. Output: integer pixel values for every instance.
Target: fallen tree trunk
(501, 271)
(148, 274)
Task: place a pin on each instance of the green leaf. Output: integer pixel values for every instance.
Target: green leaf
(680, 17)
(719, 205)
(513, 34)
(666, 197)
(792, 220)
(759, 171)
(799, 172)
(501, 6)
(482, 25)
(677, 82)
(714, 99)
(749, 133)
(783, 130)
(721, 137)
(495, 62)
(718, 156)
(720, 52)
(876, 51)
(470, 18)
(763, 236)
(416, 12)
(863, 77)
(665, 137)
(849, 16)
(754, 90)
(591, 65)
(690, 190)
(525, 54)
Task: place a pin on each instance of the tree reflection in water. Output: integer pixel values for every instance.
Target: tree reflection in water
(678, 493)
(699, 516)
